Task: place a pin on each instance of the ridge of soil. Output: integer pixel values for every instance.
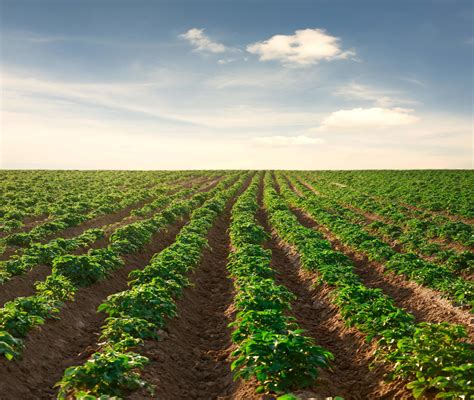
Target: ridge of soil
(371, 217)
(446, 214)
(51, 348)
(23, 285)
(192, 360)
(351, 375)
(424, 303)
(96, 222)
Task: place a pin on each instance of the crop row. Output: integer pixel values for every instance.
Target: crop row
(409, 264)
(71, 272)
(270, 346)
(430, 356)
(84, 210)
(51, 195)
(137, 314)
(38, 253)
(415, 233)
(436, 191)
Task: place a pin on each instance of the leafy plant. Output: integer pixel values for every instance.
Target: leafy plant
(279, 362)
(108, 373)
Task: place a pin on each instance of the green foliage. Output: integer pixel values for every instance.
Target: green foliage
(18, 316)
(109, 373)
(9, 346)
(438, 358)
(56, 288)
(146, 301)
(280, 362)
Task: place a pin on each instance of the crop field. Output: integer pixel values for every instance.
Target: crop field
(236, 284)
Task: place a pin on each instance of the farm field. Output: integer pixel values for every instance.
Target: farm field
(236, 284)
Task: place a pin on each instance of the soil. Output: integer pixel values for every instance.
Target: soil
(192, 361)
(23, 285)
(424, 303)
(96, 222)
(58, 344)
(351, 375)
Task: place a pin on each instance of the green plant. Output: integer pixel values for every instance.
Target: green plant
(108, 373)
(279, 362)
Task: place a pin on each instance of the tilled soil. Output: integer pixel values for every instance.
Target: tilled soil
(192, 359)
(50, 349)
(371, 217)
(97, 222)
(351, 375)
(23, 285)
(425, 304)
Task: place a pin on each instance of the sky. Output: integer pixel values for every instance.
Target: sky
(114, 84)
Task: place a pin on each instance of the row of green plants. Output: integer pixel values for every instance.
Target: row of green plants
(47, 195)
(336, 219)
(270, 346)
(436, 225)
(40, 254)
(432, 191)
(83, 210)
(71, 272)
(433, 358)
(137, 314)
(413, 233)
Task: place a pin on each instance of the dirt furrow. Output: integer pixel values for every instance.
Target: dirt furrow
(425, 304)
(351, 375)
(371, 217)
(97, 222)
(23, 285)
(71, 339)
(192, 360)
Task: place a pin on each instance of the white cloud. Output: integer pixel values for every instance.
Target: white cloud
(380, 97)
(287, 140)
(202, 42)
(366, 118)
(305, 47)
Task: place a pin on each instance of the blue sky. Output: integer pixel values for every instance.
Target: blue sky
(241, 84)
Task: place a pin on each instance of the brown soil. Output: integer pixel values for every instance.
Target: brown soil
(96, 222)
(23, 285)
(371, 217)
(192, 361)
(425, 304)
(351, 375)
(71, 339)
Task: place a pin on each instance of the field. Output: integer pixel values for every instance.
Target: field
(236, 284)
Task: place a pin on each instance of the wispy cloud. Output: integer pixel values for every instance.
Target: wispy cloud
(287, 140)
(377, 96)
(414, 81)
(305, 47)
(201, 42)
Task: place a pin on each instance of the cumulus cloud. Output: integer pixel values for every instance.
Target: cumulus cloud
(202, 42)
(305, 47)
(287, 140)
(375, 117)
